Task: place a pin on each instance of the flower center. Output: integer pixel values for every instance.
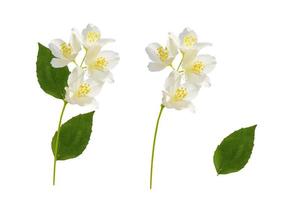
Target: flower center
(198, 67)
(66, 49)
(83, 90)
(189, 40)
(180, 94)
(100, 63)
(163, 53)
(93, 36)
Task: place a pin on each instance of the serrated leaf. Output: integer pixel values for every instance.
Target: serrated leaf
(52, 80)
(74, 136)
(234, 151)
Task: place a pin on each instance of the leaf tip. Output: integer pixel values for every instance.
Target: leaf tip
(40, 45)
(92, 112)
(254, 126)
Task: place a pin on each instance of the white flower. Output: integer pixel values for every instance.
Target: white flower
(91, 37)
(187, 40)
(99, 64)
(63, 52)
(196, 67)
(161, 56)
(80, 91)
(178, 95)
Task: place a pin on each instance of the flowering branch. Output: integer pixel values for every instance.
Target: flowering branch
(80, 86)
(183, 84)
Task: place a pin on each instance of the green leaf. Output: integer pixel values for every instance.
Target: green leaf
(234, 151)
(74, 136)
(52, 80)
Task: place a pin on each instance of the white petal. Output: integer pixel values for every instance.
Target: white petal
(179, 105)
(174, 40)
(109, 54)
(188, 58)
(96, 87)
(75, 78)
(186, 32)
(103, 42)
(92, 54)
(94, 104)
(100, 76)
(151, 50)
(197, 79)
(209, 61)
(208, 68)
(153, 67)
(205, 81)
(111, 57)
(110, 77)
(200, 46)
(82, 101)
(68, 95)
(172, 45)
(54, 47)
(74, 41)
(58, 62)
(192, 89)
(192, 78)
(165, 98)
(173, 82)
(90, 28)
(103, 76)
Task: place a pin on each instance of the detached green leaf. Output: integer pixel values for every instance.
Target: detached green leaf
(52, 80)
(74, 136)
(234, 151)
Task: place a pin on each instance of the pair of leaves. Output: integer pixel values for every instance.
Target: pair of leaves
(234, 151)
(73, 137)
(52, 80)
(75, 133)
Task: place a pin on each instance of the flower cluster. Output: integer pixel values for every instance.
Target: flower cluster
(184, 81)
(88, 77)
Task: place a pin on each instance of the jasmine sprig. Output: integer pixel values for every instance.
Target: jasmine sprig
(184, 82)
(79, 87)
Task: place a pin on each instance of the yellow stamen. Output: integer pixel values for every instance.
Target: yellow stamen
(163, 53)
(100, 63)
(189, 40)
(198, 67)
(83, 90)
(180, 94)
(66, 49)
(92, 36)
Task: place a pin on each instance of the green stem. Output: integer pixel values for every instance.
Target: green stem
(57, 140)
(75, 63)
(153, 145)
(180, 62)
(83, 58)
(172, 66)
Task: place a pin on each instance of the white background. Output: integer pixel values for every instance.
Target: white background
(256, 81)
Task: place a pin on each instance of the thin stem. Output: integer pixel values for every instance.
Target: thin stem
(172, 66)
(180, 61)
(75, 63)
(57, 140)
(83, 58)
(153, 145)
